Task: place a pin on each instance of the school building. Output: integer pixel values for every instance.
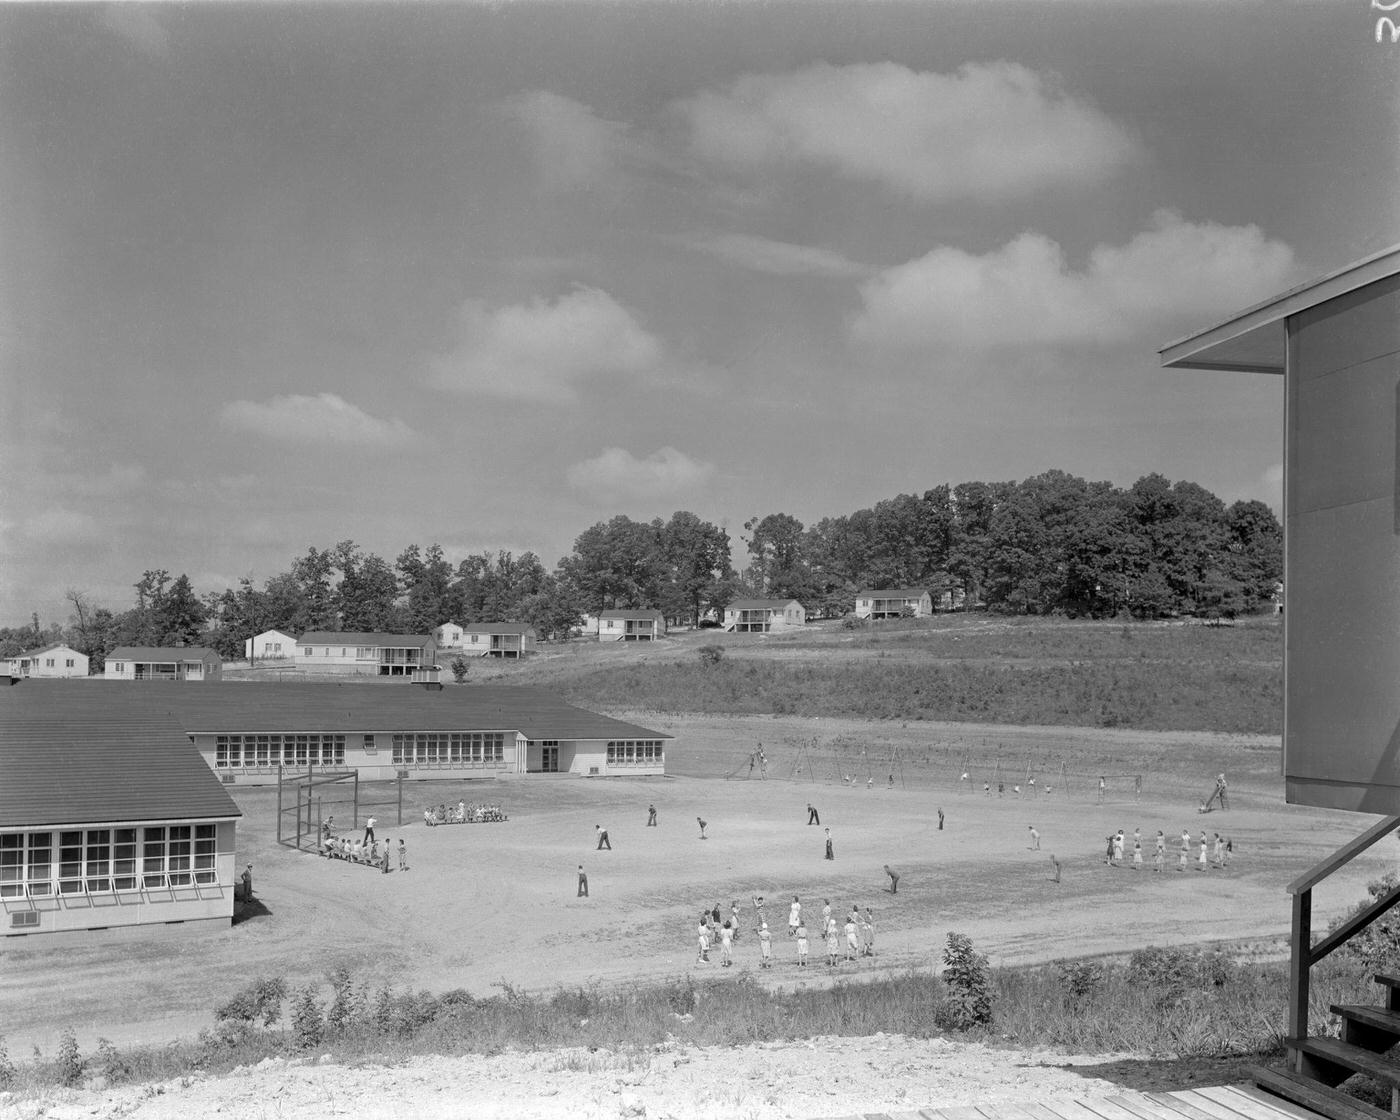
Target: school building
(109, 818)
(246, 731)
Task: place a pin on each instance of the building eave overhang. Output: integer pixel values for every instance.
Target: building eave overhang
(1255, 340)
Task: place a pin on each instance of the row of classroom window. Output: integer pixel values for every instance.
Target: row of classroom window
(232, 752)
(102, 860)
(637, 752)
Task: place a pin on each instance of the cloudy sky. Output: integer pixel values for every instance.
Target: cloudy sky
(278, 275)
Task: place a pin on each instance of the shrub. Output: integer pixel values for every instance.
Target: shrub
(968, 980)
(710, 655)
(308, 1025)
(115, 1068)
(1171, 973)
(1377, 947)
(68, 1064)
(1080, 980)
(262, 998)
(459, 669)
(8, 1073)
(347, 1003)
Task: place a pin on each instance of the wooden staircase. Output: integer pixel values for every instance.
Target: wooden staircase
(1317, 1066)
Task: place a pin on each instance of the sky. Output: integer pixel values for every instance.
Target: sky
(274, 276)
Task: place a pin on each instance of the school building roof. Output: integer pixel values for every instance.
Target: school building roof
(238, 707)
(73, 756)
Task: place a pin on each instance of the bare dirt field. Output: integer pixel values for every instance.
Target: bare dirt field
(491, 903)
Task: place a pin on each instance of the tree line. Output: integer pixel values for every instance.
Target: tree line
(1051, 544)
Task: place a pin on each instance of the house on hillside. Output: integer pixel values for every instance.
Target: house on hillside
(163, 663)
(449, 635)
(52, 661)
(764, 616)
(382, 655)
(270, 645)
(84, 844)
(247, 732)
(894, 603)
(498, 639)
(631, 625)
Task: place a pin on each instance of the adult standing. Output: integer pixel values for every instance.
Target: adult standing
(1035, 839)
(582, 882)
(651, 816)
(830, 848)
(894, 879)
(247, 880)
(603, 841)
(940, 820)
(701, 822)
(369, 830)
(812, 815)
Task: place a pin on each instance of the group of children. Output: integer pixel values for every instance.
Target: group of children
(369, 852)
(1209, 853)
(858, 934)
(462, 813)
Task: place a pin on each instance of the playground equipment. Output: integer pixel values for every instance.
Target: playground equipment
(1217, 796)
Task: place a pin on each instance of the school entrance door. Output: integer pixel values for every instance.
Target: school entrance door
(549, 760)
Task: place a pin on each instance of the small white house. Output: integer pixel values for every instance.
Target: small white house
(269, 646)
(631, 625)
(449, 635)
(52, 661)
(894, 603)
(764, 616)
(163, 663)
(383, 655)
(498, 639)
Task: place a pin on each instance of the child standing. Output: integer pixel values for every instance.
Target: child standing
(1137, 854)
(703, 936)
(726, 945)
(833, 944)
(794, 916)
(801, 946)
(403, 857)
(852, 939)
(765, 947)
(867, 929)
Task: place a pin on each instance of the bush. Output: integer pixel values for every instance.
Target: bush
(68, 1065)
(459, 669)
(710, 655)
(1377, 946)
(968, 980)
(347, 1004)
(260, 999)
(1080, 980)
(1171, 973)
(308, 1025)
(115, 1068)
(8, 1073)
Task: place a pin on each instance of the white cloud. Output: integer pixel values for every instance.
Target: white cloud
(137, 25)
(1025, 294)
(324, 418)
(780, 258)
(616, 473)
(60, 526)
(572, 146)
(540, 351)
(989, 130)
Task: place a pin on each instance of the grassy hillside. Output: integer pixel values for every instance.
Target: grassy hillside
(1167, 677)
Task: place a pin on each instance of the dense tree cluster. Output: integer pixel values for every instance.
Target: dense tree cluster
(1053, 543)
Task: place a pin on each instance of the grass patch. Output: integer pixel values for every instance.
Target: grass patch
(1158, 1004)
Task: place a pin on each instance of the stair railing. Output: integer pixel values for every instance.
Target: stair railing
(1304, 954)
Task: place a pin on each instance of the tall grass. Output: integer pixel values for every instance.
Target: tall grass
(1159, 1002)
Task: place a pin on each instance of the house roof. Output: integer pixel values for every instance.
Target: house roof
(163, 653)
(498, 628)
(352, 638)
(238, 707)
(74, 756)
(1255, 340)
(760, 604)
(50, 649)
(638, 613)
(892, 592)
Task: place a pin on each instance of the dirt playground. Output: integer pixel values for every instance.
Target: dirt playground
(490, 904)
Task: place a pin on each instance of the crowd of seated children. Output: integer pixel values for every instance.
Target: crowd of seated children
(373, 854)
(462, 813)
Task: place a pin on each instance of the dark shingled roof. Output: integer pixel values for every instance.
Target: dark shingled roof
(238, 707)
(352, 638)
(163, 653)
(84, 755)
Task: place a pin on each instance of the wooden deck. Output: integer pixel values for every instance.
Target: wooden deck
(1221, 1102)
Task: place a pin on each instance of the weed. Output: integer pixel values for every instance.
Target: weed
(967, 978)
(68, 1062)
(115, 1068)
(8, 1073)
(308, 1024)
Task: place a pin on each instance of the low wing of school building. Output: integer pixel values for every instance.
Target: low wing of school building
(247, 731)
(109, 818)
